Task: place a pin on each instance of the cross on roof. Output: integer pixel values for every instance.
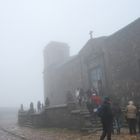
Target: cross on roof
(90, 33)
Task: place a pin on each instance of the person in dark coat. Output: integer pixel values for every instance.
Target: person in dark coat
(39, 106)
(117, 114)
(31, 110)
(138, 114)
(106, 116)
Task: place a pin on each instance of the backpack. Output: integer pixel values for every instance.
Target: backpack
(100, 111)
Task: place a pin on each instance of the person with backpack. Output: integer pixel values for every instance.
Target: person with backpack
(138, 115)
(131, 112)
(106, 115)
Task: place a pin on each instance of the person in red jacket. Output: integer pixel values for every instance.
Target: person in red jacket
(96, 100)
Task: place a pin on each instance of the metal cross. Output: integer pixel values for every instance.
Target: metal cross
(90, 33)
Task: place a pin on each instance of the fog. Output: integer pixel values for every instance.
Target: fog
(26, 26)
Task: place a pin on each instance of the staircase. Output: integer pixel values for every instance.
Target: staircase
(28, 123)
(91, 123)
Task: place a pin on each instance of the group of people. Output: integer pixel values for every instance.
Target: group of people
(93, 101)
(90, 98)
(40, 106)
(111, 113)
(32, 109)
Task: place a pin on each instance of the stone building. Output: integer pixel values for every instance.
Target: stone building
(110, 64)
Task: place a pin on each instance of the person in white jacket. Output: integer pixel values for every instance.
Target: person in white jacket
(131, 112)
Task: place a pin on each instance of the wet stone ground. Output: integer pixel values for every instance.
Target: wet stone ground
(52, 133)
(62, 134)
(6, 136)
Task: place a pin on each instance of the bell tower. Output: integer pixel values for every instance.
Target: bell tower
(55, 54)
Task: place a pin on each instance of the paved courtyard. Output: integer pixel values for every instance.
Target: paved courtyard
(14, 132)
(61, 134)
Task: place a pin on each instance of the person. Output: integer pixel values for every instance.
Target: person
(96, 100)
(105, 113)
(131, 112)
(47, 102)
(117, 113)
(81, 97)
(31, 110)
(77, 91)
(69, 97)
(89, 102)
(38, 106)
(138, 113)
(21, 108)
(138, 118)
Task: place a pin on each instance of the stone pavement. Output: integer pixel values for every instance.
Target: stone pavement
(54, 134)
(11, 126)
(64, 134)
(6, 136)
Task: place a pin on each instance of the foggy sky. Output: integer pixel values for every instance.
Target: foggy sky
(26, 26)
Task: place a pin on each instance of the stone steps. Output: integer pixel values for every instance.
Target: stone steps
(90, 123)
(28, 124)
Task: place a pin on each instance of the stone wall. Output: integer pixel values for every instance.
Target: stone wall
(123, 52)
(62, 116)
(92, 56)
(63, 79)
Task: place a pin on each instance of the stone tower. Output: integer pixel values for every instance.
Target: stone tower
(55, 54)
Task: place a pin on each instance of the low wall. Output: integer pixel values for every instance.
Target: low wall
(57, 116)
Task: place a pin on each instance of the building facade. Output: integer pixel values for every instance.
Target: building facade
(110, 64)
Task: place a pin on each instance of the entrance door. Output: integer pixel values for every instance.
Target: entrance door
(95, 76)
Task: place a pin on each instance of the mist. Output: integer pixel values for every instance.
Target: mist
(26, 27)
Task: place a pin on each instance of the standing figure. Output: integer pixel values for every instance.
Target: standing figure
(79, 94)
(105, 113)
(138, 113)
(117, 114)
(76, 95)
(89, 102)
(69, 97)
(31, 110)
(21, 108)
(96, 100)
(38, 106)
(81, 97)
(131, 112)
(47, 102)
